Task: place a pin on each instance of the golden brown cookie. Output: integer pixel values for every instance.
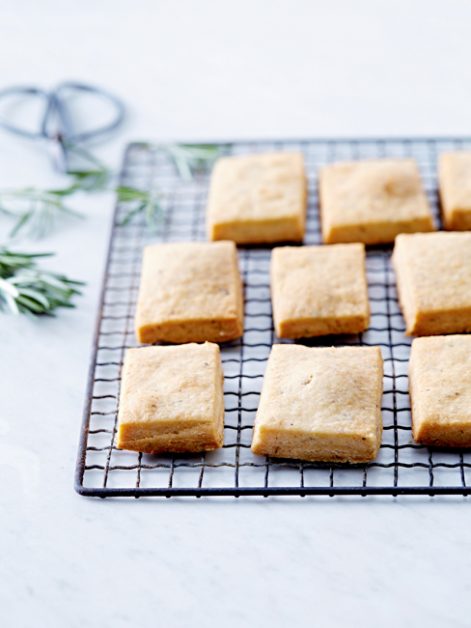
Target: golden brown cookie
(321, 404)
(171, 399)
(440, 389)
(455, 190)
(258, 199)
(372, 201)
(433, 272)
(319, 290)
(190, 292)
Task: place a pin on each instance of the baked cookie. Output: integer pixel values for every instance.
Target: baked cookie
(190, 292)
(433, 272)
(319, 290)
(258, 199)
(440, 390)
(372, 201)
(171, 399)
(455, 190)
(321, 404)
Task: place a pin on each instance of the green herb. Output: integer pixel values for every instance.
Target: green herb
(96, 177)
(11, 262)
(26, 288)
(37, 211)
(188, 159)
(140, 202)
(191, 158)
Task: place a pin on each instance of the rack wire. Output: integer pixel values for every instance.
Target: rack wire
(402, 467)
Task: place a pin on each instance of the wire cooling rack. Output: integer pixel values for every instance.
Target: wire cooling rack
(402, 467)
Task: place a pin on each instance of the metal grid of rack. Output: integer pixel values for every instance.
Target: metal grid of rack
(402, 467)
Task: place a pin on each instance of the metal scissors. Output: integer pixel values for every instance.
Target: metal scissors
(57, 126)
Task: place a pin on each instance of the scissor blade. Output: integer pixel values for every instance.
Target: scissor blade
(58, 154)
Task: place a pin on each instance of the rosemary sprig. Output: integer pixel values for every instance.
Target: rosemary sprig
(36, 211)
(191, 158)
(188, 160)
(140, 202)
(11, 262)
(96, 177)
(26, 288)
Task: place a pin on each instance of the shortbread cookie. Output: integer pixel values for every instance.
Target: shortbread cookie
(440, 389)
(321, 404)
(319, 290)
(171, 399)
(433, 272)
(372, 201)
(190, 292)
(455, 190)
(258, 199)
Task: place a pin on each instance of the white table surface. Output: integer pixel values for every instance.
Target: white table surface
(192, 70)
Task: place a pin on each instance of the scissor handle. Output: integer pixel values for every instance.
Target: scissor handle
(63, 111)
(22, 91)
(55, 105)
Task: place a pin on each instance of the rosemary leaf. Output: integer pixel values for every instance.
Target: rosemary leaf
(139, 202)
(153, 212)
(131, 214)
(22, 220)
(35, 210)
(188, 160)
(26, 288)
(89, 180)
(126, 194)
(11, 262)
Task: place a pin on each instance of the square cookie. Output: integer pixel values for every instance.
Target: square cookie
(171, 399)
(321, 404)
(319, 290)
(372, 201)
(258, 199)
(190, 292)
(433, 272)
(454, 172)
(440, 389)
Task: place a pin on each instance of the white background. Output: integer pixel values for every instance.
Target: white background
(213, 69)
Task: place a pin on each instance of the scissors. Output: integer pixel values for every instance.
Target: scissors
(56, 126)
